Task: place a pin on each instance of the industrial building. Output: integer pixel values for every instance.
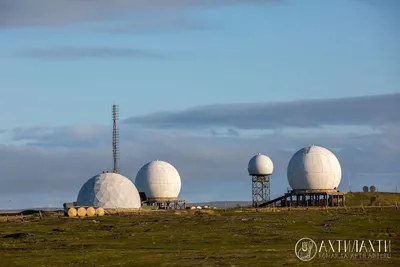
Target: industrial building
(260, 168)
(159, 184)
(109, 191)
(314, 174)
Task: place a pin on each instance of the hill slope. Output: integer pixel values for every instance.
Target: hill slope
(372, 199)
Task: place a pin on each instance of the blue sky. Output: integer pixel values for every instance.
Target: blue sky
(63, 63)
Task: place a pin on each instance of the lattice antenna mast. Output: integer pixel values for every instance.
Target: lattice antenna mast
(115, 138)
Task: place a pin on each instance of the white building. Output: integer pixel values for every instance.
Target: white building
(109, 191)
(314, 168)
(159, 180)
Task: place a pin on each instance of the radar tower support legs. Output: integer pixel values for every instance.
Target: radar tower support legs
(260, 189)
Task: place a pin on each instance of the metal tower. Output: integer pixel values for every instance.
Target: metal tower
(261, 189)
(115, 138)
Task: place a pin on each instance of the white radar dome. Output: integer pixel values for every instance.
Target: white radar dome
(110, 191)
(260, 165)
(158, 180)
(315, 168)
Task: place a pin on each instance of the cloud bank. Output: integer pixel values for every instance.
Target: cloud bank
(367, 110)
(60, 12)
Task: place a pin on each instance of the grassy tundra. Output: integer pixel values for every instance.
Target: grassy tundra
(231, 237)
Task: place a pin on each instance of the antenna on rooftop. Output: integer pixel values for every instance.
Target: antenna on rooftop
(115, 137)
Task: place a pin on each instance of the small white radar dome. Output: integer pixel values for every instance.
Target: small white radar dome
(159, 180)
(315, 168)
(260, 165)
(109, 191)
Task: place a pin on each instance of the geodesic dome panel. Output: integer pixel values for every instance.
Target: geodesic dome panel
(109, 190)
(159, 180)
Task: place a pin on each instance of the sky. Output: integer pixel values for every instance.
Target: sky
(204, 85)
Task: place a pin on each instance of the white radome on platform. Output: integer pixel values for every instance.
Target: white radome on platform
(260, 165)
(159, 180)
(315, 168)
(109, 191)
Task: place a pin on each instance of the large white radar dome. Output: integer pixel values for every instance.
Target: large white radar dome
(159, 180)
(109, 190)
(315, 168)
(260, 165)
